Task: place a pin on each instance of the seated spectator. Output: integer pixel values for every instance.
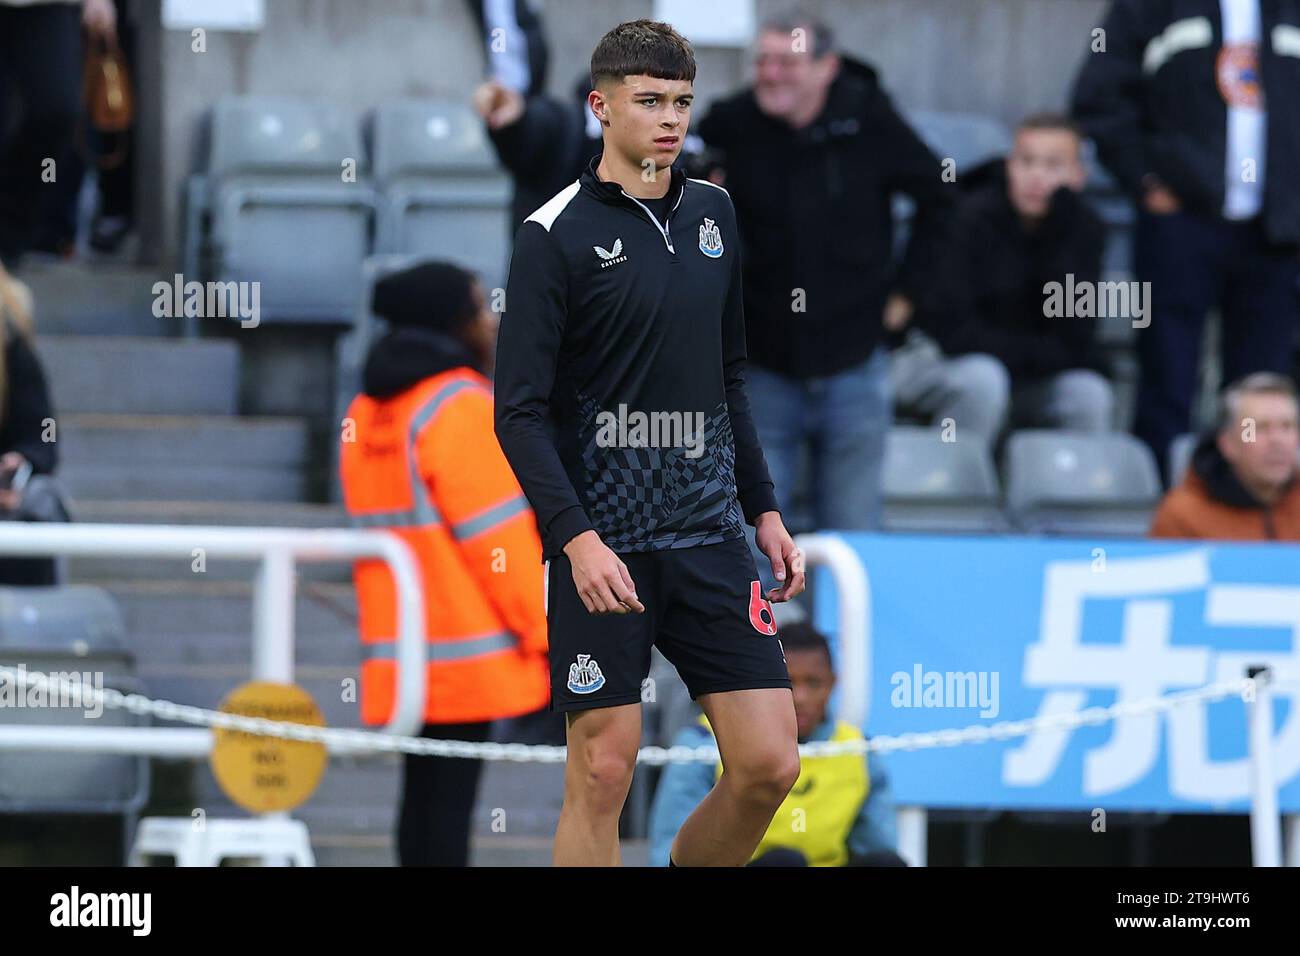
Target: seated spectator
(838, 813)
(983, 342)
(27, 449)
(1242, 483)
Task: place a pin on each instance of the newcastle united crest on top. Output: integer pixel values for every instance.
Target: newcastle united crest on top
(710, 239)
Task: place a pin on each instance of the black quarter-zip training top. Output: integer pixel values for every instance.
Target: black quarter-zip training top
(620, 391)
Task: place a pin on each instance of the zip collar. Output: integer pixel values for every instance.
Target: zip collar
(614, 194)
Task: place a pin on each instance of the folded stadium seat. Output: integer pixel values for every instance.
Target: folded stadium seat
(1075, 483)
(282, 212)
(444, 194)
(970, 139)
(1180, 456)
(74, 629)
(933, 486)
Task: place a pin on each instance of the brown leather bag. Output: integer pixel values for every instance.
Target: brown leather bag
(107, 88)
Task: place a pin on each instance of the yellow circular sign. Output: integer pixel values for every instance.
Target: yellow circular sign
(262, 773)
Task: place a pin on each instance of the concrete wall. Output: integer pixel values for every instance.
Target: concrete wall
(1004, 57)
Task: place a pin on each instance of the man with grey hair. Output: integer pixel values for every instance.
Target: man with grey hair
(811, 154)
(1242, 482)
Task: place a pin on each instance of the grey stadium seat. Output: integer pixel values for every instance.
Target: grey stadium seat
(444, 193)
(282, 212)
(73, 629)
(940, 487)
(1075, 483)
(967, 138)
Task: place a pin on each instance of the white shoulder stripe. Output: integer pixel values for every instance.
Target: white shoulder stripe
(549, 211)
(1192, 33)
(1286, 40)
(707, 183)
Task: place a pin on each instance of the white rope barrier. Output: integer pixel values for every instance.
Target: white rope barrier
(366, 741)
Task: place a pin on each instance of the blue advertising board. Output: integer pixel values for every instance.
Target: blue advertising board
(971, 631)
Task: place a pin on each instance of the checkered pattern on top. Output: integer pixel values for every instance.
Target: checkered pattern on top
(651, 499)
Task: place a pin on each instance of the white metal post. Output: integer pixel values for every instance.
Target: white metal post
(912, 843)
(1265, 824)
(273, 607)
(278, 549)
(853, 587)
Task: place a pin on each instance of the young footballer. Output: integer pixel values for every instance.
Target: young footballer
(621, 407)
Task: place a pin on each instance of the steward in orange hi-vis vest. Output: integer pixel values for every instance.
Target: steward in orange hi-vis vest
(422, 461)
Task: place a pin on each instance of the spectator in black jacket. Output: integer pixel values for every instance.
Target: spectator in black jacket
(811, 155)
(543, 142)
(986, 339)
(1195, 108)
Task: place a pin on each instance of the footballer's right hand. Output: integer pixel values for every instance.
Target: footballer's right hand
(602, 580)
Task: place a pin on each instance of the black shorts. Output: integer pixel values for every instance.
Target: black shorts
(703, 610)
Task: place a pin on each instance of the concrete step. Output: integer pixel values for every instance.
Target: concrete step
(85, 298)
(235, 514)
(121, 374)
(189, 632)
(184, 457)
(180, 481)
(219, 513)
(181, 440)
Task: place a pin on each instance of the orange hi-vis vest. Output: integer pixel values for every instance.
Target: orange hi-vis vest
(425, 464)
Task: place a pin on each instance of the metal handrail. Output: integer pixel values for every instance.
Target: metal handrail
(277, 550)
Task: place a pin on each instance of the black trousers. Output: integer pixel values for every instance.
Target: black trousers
(438, 801)
(40, 58)
(1195, 264)
(116, 184)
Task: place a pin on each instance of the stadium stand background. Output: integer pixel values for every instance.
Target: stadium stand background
(235, 427)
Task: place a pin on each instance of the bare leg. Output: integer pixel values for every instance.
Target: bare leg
(602, 755)
(758, 739)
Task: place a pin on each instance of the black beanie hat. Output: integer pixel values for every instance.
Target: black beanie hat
(436, 295)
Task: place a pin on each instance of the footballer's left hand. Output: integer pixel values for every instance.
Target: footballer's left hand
(787, 560)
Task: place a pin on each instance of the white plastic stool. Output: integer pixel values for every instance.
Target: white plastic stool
(268, 839)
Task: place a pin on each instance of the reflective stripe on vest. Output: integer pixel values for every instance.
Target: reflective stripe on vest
(424, 511)
(489, 518)
(449, 649)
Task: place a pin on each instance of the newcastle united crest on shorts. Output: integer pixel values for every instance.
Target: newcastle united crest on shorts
(710, 239)
(585, 676)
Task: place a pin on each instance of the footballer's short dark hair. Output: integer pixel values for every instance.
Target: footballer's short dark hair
(642, 48)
